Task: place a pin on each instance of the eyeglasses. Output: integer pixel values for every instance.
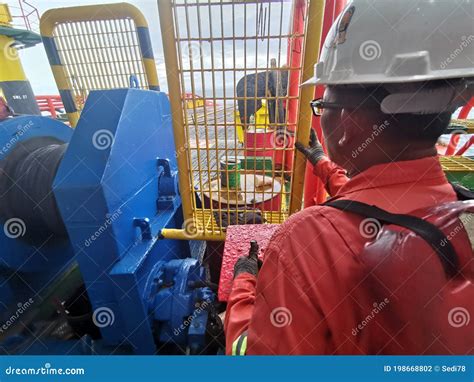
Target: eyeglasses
(318, 105)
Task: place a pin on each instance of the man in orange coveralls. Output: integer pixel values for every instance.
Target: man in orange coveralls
(381, 127)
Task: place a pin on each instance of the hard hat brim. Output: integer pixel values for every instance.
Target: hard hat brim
(311, 81)
(371, 79)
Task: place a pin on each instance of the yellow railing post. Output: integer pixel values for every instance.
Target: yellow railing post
(174, 91)
(312, 44)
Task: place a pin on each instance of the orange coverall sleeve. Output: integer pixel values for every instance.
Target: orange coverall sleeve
(239, 308)
(332, 175)
(277, 312)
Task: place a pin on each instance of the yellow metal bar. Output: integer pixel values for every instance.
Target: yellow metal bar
(456, 163)
(150, 69)
(467, 123)
(174, 90)
(311, 52)
(90, 12)
(181, 234)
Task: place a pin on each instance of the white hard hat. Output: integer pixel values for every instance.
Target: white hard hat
(398, 41)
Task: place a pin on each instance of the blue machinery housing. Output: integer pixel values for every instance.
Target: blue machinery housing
(115, 189)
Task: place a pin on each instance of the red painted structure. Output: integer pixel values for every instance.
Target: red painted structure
(466, 146)
(50, 104)
(450, 150)
(257, 141)
(237, 244)
(27, 14)
(295, 55)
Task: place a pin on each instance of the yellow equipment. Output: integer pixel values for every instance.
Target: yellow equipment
(239, 126)
(262, 119)
(14, 86)
(97, 47)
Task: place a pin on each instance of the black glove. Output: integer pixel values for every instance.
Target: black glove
(248, 264)
(314, 152)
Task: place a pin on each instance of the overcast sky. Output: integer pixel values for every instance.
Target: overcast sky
(257, 51)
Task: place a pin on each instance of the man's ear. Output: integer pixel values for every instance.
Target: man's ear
(353, 124)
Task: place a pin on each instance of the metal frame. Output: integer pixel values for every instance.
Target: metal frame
(197, 48)
(311, 54)
(97, 47)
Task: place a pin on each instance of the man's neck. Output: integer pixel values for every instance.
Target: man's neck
(402, 153)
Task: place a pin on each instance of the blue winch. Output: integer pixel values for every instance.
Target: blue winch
(97, 197)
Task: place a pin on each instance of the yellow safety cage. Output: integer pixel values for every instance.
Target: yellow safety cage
(237, 107)
(97, 47)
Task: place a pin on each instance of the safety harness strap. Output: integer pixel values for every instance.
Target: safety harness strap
(462, 192)
(239, 347)
(429, 232)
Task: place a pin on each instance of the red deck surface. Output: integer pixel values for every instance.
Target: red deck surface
(237, 244)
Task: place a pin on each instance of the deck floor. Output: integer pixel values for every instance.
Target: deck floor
(212, 142)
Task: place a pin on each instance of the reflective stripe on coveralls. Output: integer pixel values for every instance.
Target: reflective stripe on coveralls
(239, 347)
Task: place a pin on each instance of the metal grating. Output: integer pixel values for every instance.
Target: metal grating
(241, 58)
(99, 54)
(456, 164)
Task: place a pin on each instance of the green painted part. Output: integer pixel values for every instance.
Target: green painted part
(21, 36)
(256, 163)
(230, 175)
(464, 178)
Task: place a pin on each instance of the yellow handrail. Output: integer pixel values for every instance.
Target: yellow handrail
(311, 54)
